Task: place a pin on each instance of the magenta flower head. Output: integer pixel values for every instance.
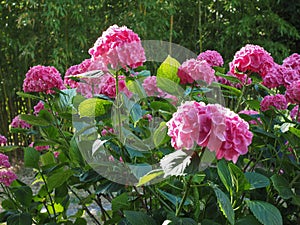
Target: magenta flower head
(3, 140)
(119, 47)
(7, 177)
(293, 62)
(292, 92)
(195, 70)
(42, 79)
(277, 101)
(251, 58)
(19, 123)
(4, 161)
(212, 57)
(38, 107)
(295, 113)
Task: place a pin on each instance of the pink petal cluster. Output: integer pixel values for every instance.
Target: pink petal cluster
(151, 89)
(56, 154)
(292, 92)
(38, 107)
(39, 147)
(42, 79)
(196, 70)
(19, 123)
(293, 61)
(7, 177)
(277, 101)
(212, 57)
(251, 58)
(211, 126)
(4, 162)
(3, 140)
(119, 47)
(107, 130)
(251, 112)
(75, 70)
(274, 77)
(295, 113)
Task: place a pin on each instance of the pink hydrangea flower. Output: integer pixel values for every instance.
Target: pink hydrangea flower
(238, 138)
(212, 57)
(274, 77)
(289, 76)
(39, 147)
(7, 177)
(19, 123)
(295, 113)
(293, 92)
(195, 70)
(38, 107)
(4, 162)
(42, 79)
(119, 47)
(251, 112)
(293, 61)
(3, 140)
(251, 58)
(277, 101)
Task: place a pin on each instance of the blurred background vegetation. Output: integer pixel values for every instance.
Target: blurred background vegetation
(60, 32)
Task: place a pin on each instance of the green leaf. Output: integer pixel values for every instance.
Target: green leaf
(168, 69)
(209, 222)
(232, 90)
(165, 106)
(59, 177)
(31, 157)
(120, 202)
(150, 176)
(65, 99)
(175, 163)
(257, 180)
(47, 159)
(93, 107)
(282, 186)
(239, 180)
(23, 194)
(295, 131)
(227, 77)
(19, 219)
(254, 104)
(247, 220)
(136, 113)
(46, 115)
(175, 200)
(135, 87)
(138, 218)
(169, 87)
(8, 204)
(160, 136)
(8, 148)
(224, 175)
(34, 120)
(224, 204)
(26, 95)
(265, 212)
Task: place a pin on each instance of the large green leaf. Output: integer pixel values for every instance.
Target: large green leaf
(295, 131)
(160, 136)
(224, 204)
(168, 69)
(247, 220)
(31, 157)
(282, 186)
(23, 194)
(120, 202)
(224, 175)
(138, 218)
(174, 199)
(35, 120)
(238, 177)
(93, 107)
(257, 180)
(59, 177)
(19, 219)
(265, 212)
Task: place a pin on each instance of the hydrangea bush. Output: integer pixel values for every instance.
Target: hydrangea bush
(164, 158)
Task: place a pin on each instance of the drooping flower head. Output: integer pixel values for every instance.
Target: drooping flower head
(195, 70)
(293, 61)
(292, 92)
(277, 101)
(212, 57)
(119, 47)
(17, 122)
(3, 140)
(42, 79)
(251, 58)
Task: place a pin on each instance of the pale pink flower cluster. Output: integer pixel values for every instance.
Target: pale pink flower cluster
(251, 112)
(19, 123)
(6, 175)
(251, 58)
(211, 126)
(277, 101)
(196, 70)
(295, 113)
(212, 57)
(119, 47)
(39, 148)
(42, 79)
(74, 70)
(38, 107)
(293, 61)
(3, 140)
(292, 92)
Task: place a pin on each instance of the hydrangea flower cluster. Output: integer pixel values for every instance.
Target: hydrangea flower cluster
(38, 107)
(74, 70)
(293, 92)
(251, 58)
(17, 122)
(196, 70)
(119, 47)
(251, 112)
(39, 148)
(293, 61)
(295, 113)
(42, 79)
(212, 57)
(3, 140)
(6, 175)
(211, 126)
(277, 101)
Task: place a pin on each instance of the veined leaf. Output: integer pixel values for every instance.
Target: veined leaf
(93, 107)
(168, 69)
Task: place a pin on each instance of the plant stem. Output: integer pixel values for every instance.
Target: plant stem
(187, 189)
